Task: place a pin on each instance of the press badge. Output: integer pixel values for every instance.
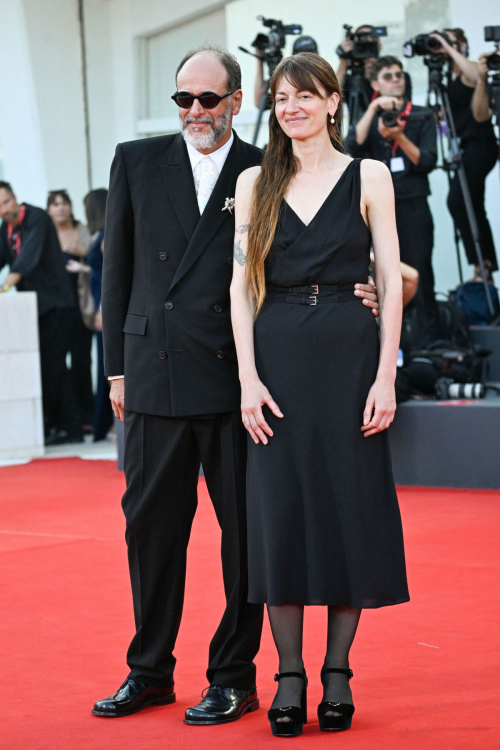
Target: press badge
(397, 164)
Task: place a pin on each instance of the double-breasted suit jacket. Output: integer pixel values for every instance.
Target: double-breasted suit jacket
(166, 278)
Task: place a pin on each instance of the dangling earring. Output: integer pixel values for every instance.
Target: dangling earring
(332, 119)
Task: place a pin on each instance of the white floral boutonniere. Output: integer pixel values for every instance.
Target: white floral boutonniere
(229, 205)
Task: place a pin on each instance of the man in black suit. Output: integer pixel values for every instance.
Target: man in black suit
(167, 329)
(30, 247)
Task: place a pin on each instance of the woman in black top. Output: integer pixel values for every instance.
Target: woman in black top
(478, 144)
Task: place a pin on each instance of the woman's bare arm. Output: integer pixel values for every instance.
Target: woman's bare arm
(378, 197)
(254, 394)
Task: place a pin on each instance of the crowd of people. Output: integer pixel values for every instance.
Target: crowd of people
(248, 343)
(60, 258)
(409, 148)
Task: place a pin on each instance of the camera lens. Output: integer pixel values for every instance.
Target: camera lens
(432, 43)
(493, 61)
(389, 118)
(466, 390)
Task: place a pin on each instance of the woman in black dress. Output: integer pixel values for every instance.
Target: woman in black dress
(323, 518)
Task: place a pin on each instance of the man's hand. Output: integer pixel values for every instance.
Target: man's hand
(387, 102)
(10, 280)
(347, 44)
(117, 398)
(368, 293)
(392, 133)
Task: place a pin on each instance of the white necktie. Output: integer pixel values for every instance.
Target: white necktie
(205, 176)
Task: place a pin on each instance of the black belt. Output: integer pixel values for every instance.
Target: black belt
(312, 294)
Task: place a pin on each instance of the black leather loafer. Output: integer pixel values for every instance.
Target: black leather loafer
(132, 697)
(221, 705)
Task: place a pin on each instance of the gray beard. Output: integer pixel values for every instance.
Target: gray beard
(203, 141)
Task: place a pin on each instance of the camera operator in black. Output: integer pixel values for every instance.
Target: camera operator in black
(479, 150)
(410, 151)
(345, 69)
(302, 44)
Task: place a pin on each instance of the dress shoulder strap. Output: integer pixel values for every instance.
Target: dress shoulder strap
(356, 182)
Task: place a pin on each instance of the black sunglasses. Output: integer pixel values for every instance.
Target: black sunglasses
(208, 99)
(398, 74)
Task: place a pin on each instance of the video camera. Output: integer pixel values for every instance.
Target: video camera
(425, 44)
(273, 42)
(492, 34)
(365, 46)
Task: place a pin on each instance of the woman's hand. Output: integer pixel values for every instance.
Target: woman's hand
(254, 395)
(380, 407)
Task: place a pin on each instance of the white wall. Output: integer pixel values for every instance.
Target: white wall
(23, 154)
(42, 122)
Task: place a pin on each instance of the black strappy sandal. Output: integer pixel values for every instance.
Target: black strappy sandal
(297, 716)
(345, 710)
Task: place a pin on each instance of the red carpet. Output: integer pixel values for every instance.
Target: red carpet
(425, 673)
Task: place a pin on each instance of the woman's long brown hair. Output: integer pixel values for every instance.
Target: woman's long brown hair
(304, 71)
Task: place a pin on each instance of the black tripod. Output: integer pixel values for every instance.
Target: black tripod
(356, 93)
(453, 162)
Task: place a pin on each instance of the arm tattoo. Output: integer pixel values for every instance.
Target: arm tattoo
(239, 255)
(242, 229)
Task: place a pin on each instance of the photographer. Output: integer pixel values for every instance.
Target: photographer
(29, 245)
(350, 64)
(302, 44)
(478, 145)
(409, 149)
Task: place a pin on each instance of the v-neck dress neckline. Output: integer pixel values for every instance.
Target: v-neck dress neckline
(332, 191)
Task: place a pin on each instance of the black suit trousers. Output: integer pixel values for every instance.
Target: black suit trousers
(60, 409)
(162, 461)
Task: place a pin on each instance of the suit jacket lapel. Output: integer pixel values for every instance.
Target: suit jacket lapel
(178, 178)
(213, 216)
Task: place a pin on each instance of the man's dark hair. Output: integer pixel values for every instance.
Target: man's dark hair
(95, 209)
(228, 60)
(387, 61)
(6, 186)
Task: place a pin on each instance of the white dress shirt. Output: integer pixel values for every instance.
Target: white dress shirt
(219, 156)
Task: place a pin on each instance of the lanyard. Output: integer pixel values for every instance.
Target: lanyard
(16, 232)
(404, 114)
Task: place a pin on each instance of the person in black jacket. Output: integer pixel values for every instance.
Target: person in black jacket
(410, 151)
(167, 329)
(30, 247)
(478, 146)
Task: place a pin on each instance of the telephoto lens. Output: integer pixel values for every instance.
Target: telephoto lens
(466, 390)
(446, 388)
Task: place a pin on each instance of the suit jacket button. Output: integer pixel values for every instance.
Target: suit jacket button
(218, 308)
(230, 260)
(162, 355)
(169, 305)
(220, 355)
(163, 256)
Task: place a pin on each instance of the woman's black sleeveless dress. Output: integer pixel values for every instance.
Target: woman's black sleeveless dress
(323, 517)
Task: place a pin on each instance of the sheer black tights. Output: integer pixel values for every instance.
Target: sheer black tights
(287, 629)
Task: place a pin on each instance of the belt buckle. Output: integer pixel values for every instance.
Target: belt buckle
(315, 289)
(312, 300)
